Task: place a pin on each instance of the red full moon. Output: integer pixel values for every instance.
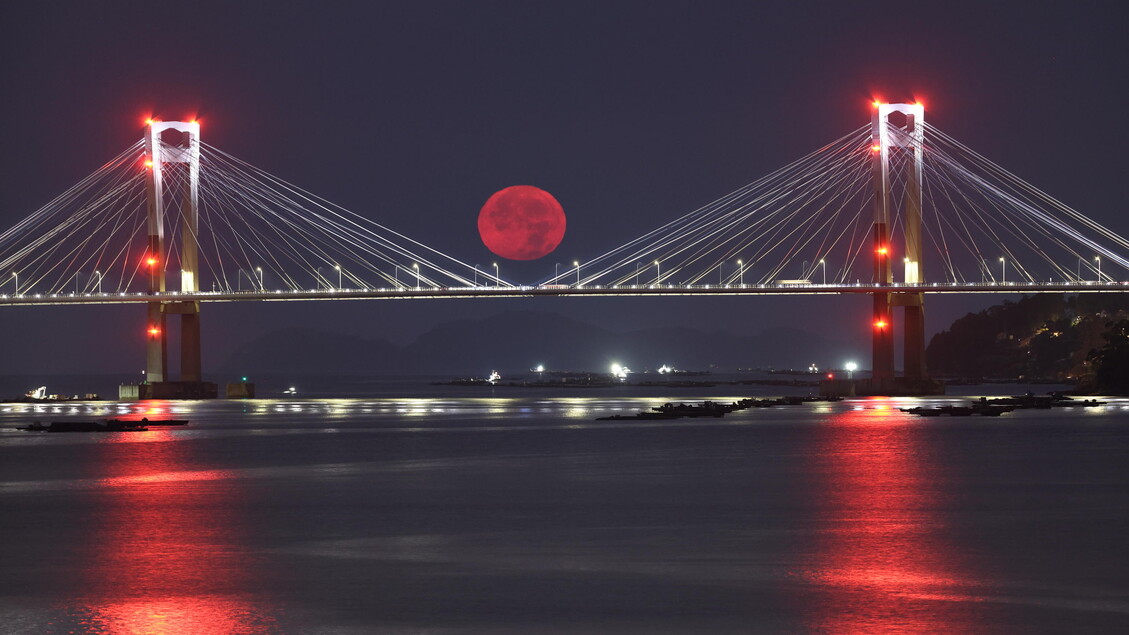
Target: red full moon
(521, 222)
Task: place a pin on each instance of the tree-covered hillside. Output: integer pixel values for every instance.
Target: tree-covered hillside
(1037, 337)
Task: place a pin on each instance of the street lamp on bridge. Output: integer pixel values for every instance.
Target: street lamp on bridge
(99, 274)
(1098, 260)
(338, 268)
(415, 265)
(823, 263)
(16, 275)
(1003, 271)
(658, 273)
(576, 263)
(497, 277)
(259, 270)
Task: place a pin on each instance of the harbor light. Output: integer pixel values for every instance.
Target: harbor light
(850, 367)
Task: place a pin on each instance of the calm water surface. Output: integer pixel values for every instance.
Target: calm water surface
(519, 513)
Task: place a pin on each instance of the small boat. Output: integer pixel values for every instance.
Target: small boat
(87, 426)
(106, 425)
(983, 409)
(924, 412)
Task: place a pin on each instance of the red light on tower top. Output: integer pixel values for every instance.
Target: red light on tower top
(876, 148)
(150, 261)
(880, 324)
(882, 251)
(154, 331)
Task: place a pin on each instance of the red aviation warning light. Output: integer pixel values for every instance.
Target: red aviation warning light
(148, 163)
(882, 251)
(150, 261)
(876, 148)
(154, 331)
(880, 324)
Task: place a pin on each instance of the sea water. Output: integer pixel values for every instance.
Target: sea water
(514, 511)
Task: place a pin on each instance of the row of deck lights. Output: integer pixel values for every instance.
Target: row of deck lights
(516, 288)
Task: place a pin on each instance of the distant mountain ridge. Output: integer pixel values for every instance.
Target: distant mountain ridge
(515, 340)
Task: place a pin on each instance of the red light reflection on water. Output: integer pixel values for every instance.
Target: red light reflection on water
(164, 554)
(882, 563)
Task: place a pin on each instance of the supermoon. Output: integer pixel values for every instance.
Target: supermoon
(521, 222)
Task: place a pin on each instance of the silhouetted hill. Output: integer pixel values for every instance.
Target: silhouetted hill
(516, 340)
(305, 350)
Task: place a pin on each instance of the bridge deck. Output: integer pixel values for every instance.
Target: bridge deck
(555, 291)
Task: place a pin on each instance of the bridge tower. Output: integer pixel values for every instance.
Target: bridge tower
(161, 156)
(901, 142)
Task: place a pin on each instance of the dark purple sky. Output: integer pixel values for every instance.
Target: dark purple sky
(631, 114)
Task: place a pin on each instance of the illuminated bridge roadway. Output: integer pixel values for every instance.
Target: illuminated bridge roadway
(511, 291)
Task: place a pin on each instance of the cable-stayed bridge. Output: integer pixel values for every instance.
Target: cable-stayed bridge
(896, 209)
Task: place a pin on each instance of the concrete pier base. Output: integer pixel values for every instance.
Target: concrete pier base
(168, 390)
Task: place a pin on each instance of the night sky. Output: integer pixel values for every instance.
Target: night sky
(630, 114)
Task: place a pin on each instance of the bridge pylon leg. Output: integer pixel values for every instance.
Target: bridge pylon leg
(882, 353)
(914, 342)
(156, 359)
(190, 347)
